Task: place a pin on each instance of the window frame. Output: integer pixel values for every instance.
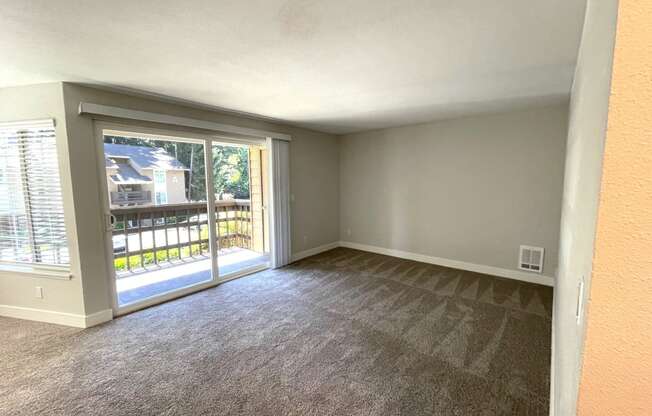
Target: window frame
(159, 177)
(44, 270)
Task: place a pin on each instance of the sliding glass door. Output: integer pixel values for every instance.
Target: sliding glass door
(158, 205)
(183, 212)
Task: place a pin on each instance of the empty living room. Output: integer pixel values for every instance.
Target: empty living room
(300, 207)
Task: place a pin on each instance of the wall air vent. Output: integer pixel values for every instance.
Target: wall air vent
(531, 259)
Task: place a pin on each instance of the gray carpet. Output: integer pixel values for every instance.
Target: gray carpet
(342, 333)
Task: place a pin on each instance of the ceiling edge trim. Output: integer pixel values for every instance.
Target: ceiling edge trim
(125, 113)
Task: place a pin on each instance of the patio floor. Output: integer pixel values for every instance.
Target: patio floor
(132, 287)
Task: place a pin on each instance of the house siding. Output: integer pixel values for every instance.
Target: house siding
(176, 188)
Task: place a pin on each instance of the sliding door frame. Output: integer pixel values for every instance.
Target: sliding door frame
(100, 128)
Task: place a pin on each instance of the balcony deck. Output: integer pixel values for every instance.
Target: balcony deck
(159, 249)
(138, 285)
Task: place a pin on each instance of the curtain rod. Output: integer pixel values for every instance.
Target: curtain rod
(124, 113)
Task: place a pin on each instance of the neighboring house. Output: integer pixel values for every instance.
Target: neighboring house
(141, 175)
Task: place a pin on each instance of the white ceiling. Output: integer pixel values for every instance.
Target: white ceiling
(336, 66)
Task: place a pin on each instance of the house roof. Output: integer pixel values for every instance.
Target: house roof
(143, 156)
(110, 163)
(126, 175)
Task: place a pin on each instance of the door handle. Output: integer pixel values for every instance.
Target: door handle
(109, 222)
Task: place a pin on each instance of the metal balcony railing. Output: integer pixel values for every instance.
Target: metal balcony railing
(131, 197)
(154, 235)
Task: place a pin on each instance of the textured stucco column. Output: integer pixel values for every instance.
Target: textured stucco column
(617, 360)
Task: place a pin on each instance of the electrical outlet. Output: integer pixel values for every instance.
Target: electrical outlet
(305, 240)
(38, 292)
(348, 232)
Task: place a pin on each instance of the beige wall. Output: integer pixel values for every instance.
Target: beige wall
(470, 189)
(617, 363)
(17, 290)
(587, 124)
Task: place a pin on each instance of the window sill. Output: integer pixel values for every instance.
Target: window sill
(61, 273)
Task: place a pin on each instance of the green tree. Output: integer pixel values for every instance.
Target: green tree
(231, 171)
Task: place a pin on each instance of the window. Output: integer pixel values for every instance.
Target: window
(161, 198)
(160, 188)
(32, 228)
(159, 177)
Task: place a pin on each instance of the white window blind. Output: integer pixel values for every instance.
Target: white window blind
(32, 228)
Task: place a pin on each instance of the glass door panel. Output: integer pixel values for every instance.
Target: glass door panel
(239, 179)
(160, 220)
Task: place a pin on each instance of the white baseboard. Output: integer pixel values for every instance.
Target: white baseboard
(98, 318)
(456, 264)
(59, 318)
(315, 250)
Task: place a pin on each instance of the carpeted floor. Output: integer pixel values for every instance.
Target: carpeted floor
(342, 333)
